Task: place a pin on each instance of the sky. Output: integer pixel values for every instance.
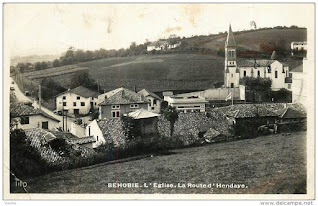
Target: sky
(38, 29)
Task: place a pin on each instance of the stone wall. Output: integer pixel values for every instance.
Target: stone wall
(189, 125)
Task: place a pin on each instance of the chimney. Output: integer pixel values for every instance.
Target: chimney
(123, 94)
(105, 97)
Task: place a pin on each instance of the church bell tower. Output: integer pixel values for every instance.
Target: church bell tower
(231, 73)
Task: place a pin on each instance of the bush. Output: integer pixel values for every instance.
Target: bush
(24, 159)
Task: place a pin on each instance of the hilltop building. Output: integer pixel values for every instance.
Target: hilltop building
(296, 45)
(235, 69)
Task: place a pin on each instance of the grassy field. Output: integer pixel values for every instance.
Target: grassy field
(266, 165)
(154, 72)
(172, 71)
(251, 40)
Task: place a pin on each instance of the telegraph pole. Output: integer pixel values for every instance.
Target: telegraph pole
(40, 98)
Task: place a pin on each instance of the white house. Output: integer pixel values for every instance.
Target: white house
(107, 131)
(154, 100)
(79, 100)
(187, 104)
(235, 69)
(295, 45)
(26, 117)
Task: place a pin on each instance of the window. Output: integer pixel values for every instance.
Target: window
(276, 74)
(115, 106)
(289, 86)
(64, 104)
(45, 125)
(95, 103)
(258, 73)
(154, 102)
(232, 85)
(244, 74)
(74, 104)
(115, 114)
(64, 97)
(152, 108)
(82, 104)
(78, 97)
(134, 106)
(24, 120)
(92, 98)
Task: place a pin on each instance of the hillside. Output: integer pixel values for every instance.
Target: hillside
(187, 70)
(273, 164)
(32, 59)
(250, 40)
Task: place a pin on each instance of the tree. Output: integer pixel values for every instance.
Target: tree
(171, 114)
(164, 105)
(83, 78)
(44, 65)
(257, 85)
(38, 66)
(56, 63)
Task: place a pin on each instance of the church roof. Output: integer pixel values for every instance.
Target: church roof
(230, 38)
(253, 62)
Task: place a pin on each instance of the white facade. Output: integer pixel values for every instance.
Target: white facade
(234, 71)
(154, 105)
(299, 86)
(34, 121)
(187, 104)
(298, 45)
(75, 103)
(93, 130)
(276, 71)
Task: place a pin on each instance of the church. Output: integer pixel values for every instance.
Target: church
(235, 69)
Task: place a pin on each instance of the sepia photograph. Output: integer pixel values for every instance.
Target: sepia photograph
(158, 100)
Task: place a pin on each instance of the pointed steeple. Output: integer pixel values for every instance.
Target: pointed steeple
(230, 38)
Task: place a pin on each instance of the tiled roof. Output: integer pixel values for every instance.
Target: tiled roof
(256, 63)
(142, 114)
(290, 113)
(82, 140)
(18, 109)
(293, 64)
(124, 96)
(248, 111)
(64, 135)
(145, 93)
(298, 69)
(82, 91)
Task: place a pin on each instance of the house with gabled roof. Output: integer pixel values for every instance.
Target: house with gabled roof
(77, 101)
(26, 117)
(118, 102)
(154, 100)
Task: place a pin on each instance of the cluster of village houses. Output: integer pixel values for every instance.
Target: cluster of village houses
(146, 105)
(163, 45)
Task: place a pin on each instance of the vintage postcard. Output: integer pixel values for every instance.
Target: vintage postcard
(159, 101)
